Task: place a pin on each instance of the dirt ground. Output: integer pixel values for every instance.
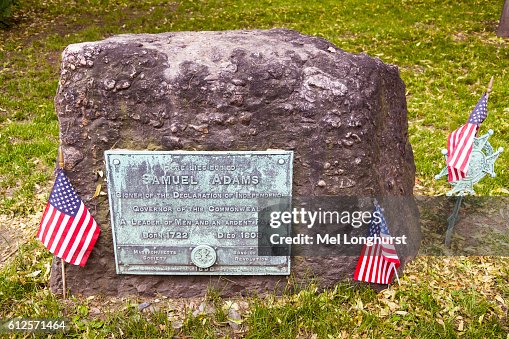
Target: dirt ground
(482, 228)
(15, 231)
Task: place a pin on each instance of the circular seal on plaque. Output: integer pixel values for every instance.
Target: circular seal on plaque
(203, 256)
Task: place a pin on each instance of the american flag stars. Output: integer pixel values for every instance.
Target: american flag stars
(480, 111)
(63, 197)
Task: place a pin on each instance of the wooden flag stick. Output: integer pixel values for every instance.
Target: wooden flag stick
(60, 157)
(64, 283)
(393, 267)
(397, 277)
(490, 86)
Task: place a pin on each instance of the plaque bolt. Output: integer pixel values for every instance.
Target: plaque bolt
(281, 161)
(116, 162)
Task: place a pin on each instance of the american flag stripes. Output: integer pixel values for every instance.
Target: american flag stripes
(460, 142)
(67, 228)
(378, 262)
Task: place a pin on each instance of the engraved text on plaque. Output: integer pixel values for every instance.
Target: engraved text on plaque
(194, 212)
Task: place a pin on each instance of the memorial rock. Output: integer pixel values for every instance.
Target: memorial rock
(343, 115)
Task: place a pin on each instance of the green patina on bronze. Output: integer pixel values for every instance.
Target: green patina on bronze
(482, 162)
(187, 213)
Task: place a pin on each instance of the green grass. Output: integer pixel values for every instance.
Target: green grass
(446, 52)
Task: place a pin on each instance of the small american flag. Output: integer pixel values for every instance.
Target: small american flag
(67, 229)
(377, 262)
(460, 142)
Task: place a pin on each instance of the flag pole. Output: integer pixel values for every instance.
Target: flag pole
(397, 277)
(62, 262)
(490, 86)
(396, 271)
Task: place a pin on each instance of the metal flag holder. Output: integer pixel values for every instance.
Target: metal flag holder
(482, 162)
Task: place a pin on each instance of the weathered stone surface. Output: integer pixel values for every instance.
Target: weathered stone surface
(344, 115)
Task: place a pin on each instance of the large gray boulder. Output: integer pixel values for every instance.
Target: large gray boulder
(343, 115)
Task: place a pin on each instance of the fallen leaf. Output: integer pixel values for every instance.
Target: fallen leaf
(499, 298)
(177, 324)
(97, 190)
(34, 274)
(392, 305)
(501, 190)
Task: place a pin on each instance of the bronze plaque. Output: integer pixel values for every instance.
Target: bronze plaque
(194, 213)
